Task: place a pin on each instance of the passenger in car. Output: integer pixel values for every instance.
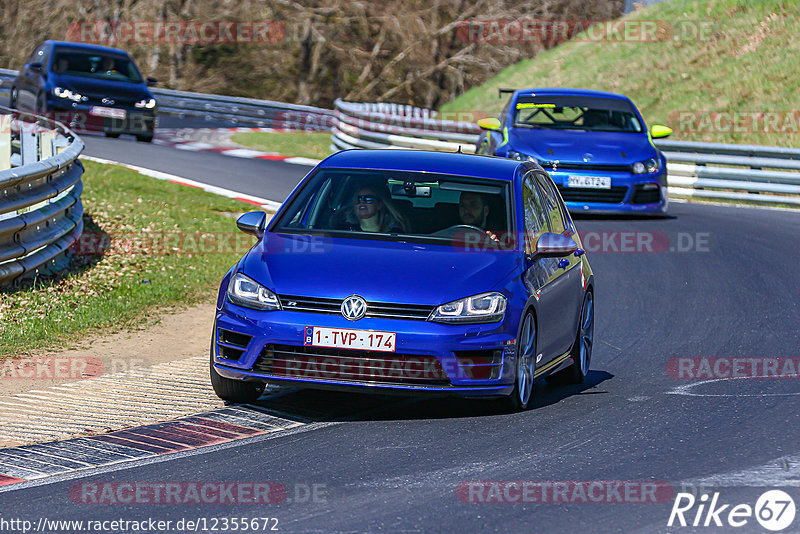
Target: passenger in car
(373, 211)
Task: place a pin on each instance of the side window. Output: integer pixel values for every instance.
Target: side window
(45, 57)
(552, 204)
(504, 113)
(533, 211)
(36, 56)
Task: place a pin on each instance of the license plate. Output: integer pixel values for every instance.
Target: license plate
(596, 182)
(111, 113)
(345, 338)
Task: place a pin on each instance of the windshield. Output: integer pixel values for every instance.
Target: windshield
(399, 206)
(577, 113)
(96, 65)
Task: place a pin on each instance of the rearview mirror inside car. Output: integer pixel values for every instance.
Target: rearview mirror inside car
(552, 245)
(252, 222)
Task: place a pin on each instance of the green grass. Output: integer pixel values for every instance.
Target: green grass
(314, 145)
(154, 261)
(746, 62)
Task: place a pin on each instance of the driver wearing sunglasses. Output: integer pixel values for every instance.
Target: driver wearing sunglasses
(373, 211)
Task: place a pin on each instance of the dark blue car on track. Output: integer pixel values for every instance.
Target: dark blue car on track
(409, 271)
(90, 87)
(595, 145)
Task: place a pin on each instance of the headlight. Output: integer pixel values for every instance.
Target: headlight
(647, 166)
(148, 103)
(60, 92)
(519, 157)
(244, 291)
(483, 308)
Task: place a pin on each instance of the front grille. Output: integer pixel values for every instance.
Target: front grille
(641, 195)
(376, 310)
(322, 363)
(551, 166)
(615, 195)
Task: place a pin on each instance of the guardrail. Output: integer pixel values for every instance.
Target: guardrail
(41, 214)
(699, 170)
(244, 111)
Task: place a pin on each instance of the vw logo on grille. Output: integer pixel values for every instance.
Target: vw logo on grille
(354, 308)
(588, 157)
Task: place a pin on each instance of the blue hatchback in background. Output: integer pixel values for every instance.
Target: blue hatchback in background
(91, 87)
(409, 271)
(595, 145)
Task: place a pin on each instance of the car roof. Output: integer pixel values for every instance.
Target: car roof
(86, 46)
(426, 161)
(568, 91)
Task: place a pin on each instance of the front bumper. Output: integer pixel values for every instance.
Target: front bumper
(423, 350)
(76, 115)
(630, 193)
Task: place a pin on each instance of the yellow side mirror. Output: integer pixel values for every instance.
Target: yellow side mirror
(658, 131)
(490, 124)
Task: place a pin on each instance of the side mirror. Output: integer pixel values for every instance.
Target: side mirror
(252, 222)
(551, 245)
(151, 82)
(36, 67)
(658, 131)
(490, 124)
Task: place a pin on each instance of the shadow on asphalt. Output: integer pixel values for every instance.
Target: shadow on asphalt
(325, 406)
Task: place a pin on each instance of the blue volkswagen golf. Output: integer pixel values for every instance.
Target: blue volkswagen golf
(92, 87)
(594, 144)
(409, 271)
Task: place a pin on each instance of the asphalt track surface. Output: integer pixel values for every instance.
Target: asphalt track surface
(393, 464)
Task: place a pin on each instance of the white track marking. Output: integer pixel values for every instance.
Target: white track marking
(269, 204)
(685, 389)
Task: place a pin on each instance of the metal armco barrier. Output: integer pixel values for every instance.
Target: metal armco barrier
(244, 111)
(41, 214)
(701, 170)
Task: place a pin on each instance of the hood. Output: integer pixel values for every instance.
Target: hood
(381, 271)
(571, 145)
(103, 88)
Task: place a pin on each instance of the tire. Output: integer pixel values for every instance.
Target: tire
(237, 391)
(112, 135)
(525, 365)
(147, 138)
(582, 348)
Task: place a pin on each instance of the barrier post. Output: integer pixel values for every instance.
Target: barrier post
(5, 142)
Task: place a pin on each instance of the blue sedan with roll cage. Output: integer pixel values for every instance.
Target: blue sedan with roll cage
(409, 272)
(594, 144)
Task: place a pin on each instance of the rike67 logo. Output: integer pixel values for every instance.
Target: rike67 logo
(774, 510)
